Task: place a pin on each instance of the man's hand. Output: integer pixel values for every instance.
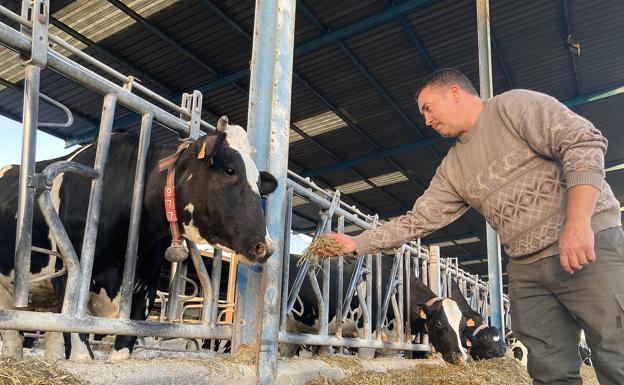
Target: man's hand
(576, 246)
(576, 243)
(345, 240)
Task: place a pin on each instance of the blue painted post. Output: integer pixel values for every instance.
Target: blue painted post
(495, 268)
(258, 288)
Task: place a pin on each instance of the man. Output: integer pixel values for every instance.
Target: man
(535, 171)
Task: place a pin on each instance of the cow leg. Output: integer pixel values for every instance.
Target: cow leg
(12, 344)
(80, 348)
(12, 341)
(142, 302)
(54, 346)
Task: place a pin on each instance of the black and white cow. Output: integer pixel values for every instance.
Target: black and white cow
(483, 342)
(218, 192)
(442, 318)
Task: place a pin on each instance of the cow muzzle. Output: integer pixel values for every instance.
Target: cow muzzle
(456, 358)
(263, 250)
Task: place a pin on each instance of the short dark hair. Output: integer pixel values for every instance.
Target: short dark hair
(446, 77)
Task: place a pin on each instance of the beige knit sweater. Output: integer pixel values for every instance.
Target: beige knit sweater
(514, 167)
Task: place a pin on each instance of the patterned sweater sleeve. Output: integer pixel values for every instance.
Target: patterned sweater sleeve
(439, 205)
(554, 131)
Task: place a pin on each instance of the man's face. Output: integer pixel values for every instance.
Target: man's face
(438, 106)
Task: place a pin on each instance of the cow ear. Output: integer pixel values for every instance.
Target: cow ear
(470, 322)
(268, 183)
(207, 146)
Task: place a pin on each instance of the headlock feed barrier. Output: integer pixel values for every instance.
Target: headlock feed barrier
(410, 261)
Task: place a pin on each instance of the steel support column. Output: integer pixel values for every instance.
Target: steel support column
(493, 243)
(258, 290)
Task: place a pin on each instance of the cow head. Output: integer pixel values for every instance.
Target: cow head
(443, 322)
(219, 190)
(484, 342)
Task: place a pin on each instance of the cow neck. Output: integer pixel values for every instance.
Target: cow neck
(176, 252)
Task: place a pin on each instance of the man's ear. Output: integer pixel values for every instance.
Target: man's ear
(468, 342)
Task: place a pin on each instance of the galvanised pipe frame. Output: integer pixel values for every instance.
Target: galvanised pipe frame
(32, 43)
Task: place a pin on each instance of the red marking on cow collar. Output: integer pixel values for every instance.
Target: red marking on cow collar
(168, 164)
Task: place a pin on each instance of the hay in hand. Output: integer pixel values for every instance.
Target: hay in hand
(34, 372)
(322, 246)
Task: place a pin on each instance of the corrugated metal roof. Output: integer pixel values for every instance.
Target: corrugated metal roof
(339, 102)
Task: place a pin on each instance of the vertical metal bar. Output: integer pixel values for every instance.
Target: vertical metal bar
(26, 198)
(286, 261)
(135, 217)
(378, 285)
(208, 309)
(408, 297)
(175, 277)
(369, 295)
(268, 128)
(37, 13)
(402, 266)
(217, 263)
(340, 282)
(326, 280)
(434, 269)
(95, 202)
(495, 277)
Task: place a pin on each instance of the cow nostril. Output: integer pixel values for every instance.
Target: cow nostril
(260, 249)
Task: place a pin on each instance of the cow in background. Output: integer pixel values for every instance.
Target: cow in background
(483, 342)
(218, 191)
(441, 318)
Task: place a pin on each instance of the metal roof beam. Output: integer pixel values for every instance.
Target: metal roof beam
(328, 38)
(414, 39)
(139, 74)
(378, 155)
(501, 62)
(612, 91)
(568, 25)
(163, 35)
(301, 5)
(616, 89)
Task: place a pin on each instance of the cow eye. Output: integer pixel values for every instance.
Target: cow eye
(230, 171)
(439, 323)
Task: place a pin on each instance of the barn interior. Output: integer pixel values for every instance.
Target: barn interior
(354, 123)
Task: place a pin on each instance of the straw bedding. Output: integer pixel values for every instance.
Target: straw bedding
(502, 371)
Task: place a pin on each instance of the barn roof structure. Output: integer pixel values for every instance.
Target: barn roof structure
(354, 123)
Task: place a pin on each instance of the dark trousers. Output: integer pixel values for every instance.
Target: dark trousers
(549, 307)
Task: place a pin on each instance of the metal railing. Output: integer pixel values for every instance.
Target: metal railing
(410, 261)
(32, 43)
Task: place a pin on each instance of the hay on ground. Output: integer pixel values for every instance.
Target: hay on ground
(500, 371)
(34, 372)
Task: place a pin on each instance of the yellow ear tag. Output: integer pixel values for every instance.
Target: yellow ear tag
(423, 315)
(470, 322)
(202, 152)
